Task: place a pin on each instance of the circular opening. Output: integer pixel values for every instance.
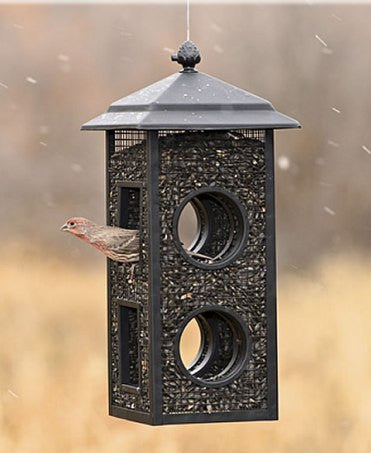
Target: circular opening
(223, 347)
(188, 226)
(210, 227)
(190, 343)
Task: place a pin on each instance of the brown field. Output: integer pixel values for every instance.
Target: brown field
(53, 365)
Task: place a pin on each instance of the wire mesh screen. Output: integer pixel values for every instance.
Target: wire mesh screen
(257, 134)
(222, 271)
(127, 139)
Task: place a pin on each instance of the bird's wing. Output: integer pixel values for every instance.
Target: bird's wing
(125, 240)
(119, 239)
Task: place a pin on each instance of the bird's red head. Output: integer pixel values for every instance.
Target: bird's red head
(78, 226)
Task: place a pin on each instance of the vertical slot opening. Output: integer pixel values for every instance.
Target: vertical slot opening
(129, 206)
(129, 372)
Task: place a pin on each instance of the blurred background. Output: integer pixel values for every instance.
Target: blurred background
(61, 65)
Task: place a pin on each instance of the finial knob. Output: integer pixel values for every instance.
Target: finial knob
(188, 56)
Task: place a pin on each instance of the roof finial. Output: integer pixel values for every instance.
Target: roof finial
(188, 56)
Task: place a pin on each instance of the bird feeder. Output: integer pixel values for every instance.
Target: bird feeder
(191, 141)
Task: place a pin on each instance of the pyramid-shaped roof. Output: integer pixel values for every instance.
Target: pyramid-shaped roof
(191, 100)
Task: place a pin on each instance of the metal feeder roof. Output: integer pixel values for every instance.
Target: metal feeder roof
(191, 100)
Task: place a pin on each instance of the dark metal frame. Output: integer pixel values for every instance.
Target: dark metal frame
(110, 143)
(271, 295)
(156, 417)
(153, 162)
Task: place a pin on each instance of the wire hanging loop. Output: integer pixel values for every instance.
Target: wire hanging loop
(188, 18)
(188, 55)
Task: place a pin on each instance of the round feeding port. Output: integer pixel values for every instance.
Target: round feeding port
(223, 346)
(190, 342)
(210, 228)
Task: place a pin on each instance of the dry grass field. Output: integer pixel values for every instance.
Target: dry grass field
(53, 365)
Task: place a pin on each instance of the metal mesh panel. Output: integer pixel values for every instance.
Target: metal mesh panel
(127, 139)
(233, 161)
(258, 134)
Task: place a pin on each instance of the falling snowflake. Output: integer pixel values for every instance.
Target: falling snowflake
(44, 129)
(283, 162)
(332, 143)
(63, 57)
(329, 210)
(216, 27)
(218, 49)
(31, 80)
(321, 40)
(168, 49)
(77, 168)
(320, 161)
(335, 16)
(327, 51)
(13, 394)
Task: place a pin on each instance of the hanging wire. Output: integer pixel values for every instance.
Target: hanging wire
(188, 21)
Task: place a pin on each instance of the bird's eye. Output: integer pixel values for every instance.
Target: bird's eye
(72, 224)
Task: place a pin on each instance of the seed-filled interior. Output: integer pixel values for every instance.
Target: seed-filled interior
(129, 354)
(129, 207)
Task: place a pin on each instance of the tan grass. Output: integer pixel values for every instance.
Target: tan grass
(53, 366)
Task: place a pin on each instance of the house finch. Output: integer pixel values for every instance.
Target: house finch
(119, 244)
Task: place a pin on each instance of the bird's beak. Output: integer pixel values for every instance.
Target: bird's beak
(64, 227)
